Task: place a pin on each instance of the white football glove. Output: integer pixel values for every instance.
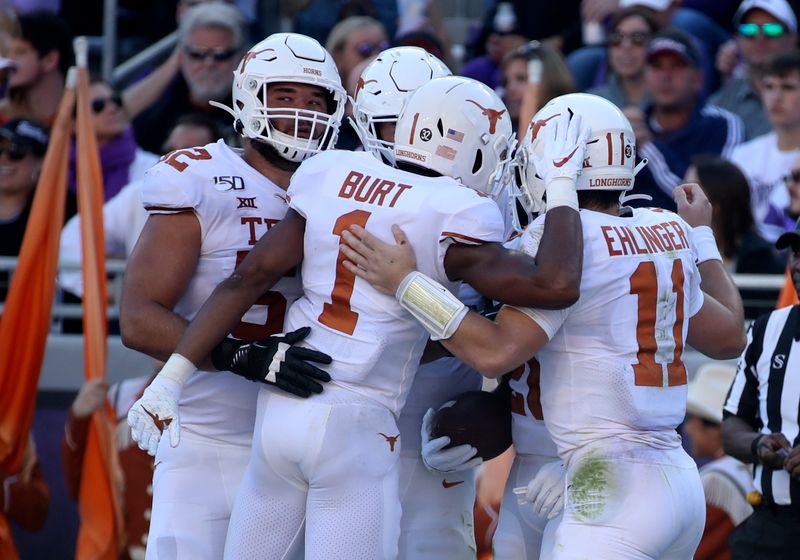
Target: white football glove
(561, 159)
(439, 460)
(158, 407)
(546, 490)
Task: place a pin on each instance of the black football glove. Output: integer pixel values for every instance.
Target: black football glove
(275, 361)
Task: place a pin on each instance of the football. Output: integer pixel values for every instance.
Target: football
(478, 418)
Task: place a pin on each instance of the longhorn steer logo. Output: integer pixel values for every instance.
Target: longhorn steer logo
(492, 114)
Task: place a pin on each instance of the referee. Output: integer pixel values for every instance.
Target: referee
(761, 426)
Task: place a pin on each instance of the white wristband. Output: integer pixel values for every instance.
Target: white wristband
(560, 191)
(178, 369)
(439, 311)
(705, 246)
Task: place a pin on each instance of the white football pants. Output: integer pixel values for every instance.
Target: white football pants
(331, 468)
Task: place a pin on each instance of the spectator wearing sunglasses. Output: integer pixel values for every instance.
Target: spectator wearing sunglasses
(626, 49)
(769, 158)
(354, 40)
(763, 30)
(210, 46)
(121, 160)
(23, 144)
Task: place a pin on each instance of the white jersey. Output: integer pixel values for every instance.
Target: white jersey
(375, 344)
(235, 205)
(528, 430)
(612, 370)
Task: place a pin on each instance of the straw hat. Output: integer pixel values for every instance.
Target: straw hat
(708, 390)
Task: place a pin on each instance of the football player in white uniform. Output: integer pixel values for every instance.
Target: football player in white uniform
(331, 462)
(613, 386)
(208, 206)
(437, 513)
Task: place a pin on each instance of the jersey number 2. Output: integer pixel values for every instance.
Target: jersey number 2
(337, 314)
(644, 284)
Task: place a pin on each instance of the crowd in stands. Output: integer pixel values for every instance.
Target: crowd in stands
(712, 89)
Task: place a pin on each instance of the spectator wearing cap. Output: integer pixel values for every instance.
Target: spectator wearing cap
(763, 29)
(42, 54)
(768, 159)
(761, 426)
(211, 43)
(23, 144)
(726, 481)
(589, 64)
(677, 125)
(121, 160)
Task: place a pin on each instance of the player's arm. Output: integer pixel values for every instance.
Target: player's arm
(551, 281)
(157, 275)
(717, 329)
(279, 250)
(496, 347)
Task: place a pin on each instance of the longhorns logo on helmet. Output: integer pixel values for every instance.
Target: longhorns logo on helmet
(383, 88)
(464, 132)
(287, 58)
(492, 114)
(609, 160)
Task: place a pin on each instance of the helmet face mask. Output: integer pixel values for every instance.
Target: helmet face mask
(609, 162)
(293, 61)
(460, 128)
(382, 90)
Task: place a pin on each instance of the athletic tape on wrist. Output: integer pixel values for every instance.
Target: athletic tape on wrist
(561, 192)
(705, 246)
(178, 369)
(439, 311)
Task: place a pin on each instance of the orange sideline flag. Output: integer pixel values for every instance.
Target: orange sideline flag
(26, 316)
(100, 536)
(788, 295)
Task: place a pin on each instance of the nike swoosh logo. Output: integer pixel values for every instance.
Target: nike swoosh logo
(451, 484)
(561, 162)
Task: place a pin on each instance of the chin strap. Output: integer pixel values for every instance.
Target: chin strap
(625, 198)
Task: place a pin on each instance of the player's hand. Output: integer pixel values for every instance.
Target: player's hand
(546, 490)
(792, 464)
(693, 204)
(382, 265)
(91, 396)
(437, 459)
(155, 411)
(564, 145)
(773, 451)
(276, 361)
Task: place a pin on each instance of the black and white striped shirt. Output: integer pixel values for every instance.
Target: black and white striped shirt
(766, 393)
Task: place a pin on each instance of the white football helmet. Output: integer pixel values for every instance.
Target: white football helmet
(460, 128)
(609, 163)
(384, 86)
(287, 57)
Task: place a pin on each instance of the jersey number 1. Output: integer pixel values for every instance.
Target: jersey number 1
(644, 283)
(337, 314)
